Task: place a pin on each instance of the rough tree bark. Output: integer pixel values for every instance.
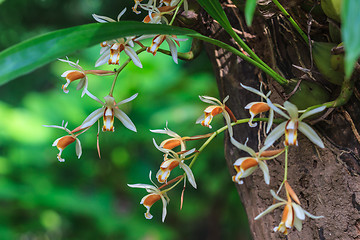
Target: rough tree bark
(326, 180)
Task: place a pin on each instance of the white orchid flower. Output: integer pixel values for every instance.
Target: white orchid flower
(109, 110)
(171, 161)
(216, 108)
(294, 123)
(258, 107)
(73, 75)
(174, 141)
(171, 40)
(62, 142)
(293, 214)
(245, 166)
(154, 195)
(110, 50)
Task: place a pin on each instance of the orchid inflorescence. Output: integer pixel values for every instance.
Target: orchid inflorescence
(293, 213)
(174, 149)
(110, 53)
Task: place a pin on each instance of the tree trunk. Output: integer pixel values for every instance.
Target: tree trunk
(326, 180)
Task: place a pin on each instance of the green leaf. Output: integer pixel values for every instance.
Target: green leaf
(249, 11)
(36, 52)
(350, 33)
(214, 9)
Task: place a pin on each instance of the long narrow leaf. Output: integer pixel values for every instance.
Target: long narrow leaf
(214, 9)
(249, 11)
(36, 52)
(350, 33)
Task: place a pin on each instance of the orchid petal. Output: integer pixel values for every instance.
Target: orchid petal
(275, 134)
(312, 112)
(124, 119)
(54, 126)
(102, 19)
(81, 83)
(103, 59)
(173, 49)
(78, 148)
(297, 224)
(159, 131)
(141, 185)
(142, 37)
(291, 109)
(92, 118)
(179, 39)
(120, 14)
(164, 150)
(298, 211)
(134, 57)
(253, 90)
(228, 122)
(276, 196)
(276, 109)
(263, 166)
(189, 174)
(188, 152)
(269, 209)
(127, 100)
(312, 216)
(249, 171)
(93, 97)
(210, 100)
(104, 49)
(164, 202)
(271, 119)
(200, 119)
(243, 147)
(310, 134)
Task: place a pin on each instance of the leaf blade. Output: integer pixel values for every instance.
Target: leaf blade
(350, 34)
(31, 54)
(250, 7)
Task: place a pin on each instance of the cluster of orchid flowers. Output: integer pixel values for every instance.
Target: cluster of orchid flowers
(293, 213)
(110, 54)
(184, 158)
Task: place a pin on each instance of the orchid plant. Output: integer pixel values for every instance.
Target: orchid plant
(164, 12)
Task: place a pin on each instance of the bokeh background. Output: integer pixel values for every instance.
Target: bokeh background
(88, 198)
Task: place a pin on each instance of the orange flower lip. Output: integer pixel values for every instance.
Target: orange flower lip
(248, 163)
(64, 142)
(270, 153)
(170, 143)
(151, 199)
(75, 75)
(259, 107)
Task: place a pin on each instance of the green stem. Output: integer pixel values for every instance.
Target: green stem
(121, 68)
(196, 47)
(225, 46)
(220, 130)
(292, 21)
(347, 88)
(217, 132)
(176, 11)
(286, 163)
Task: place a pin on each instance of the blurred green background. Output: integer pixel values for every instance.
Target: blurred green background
(88, 198)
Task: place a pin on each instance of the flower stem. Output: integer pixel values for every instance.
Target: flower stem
(121, 68)
(176, 11)
(347, 89)
(286, 163)
(211, 137)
